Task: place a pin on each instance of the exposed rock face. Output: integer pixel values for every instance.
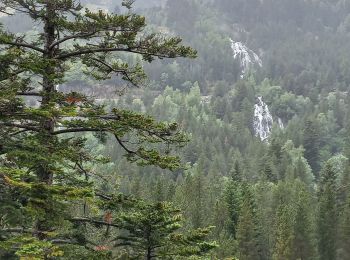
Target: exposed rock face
(247, 58)
(263, 120)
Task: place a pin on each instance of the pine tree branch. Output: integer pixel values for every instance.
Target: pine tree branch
(29, 128)
(71, 37)
(25, 45)
(13, 74)
(123, 72)
(34, 94)
(103, 196)
(123, 145)
(19, 132)
(17, 230)
(83, 129)
(23, 7)
(104, 117)
(63, 242)
(105, 50)
(78, 130)
(92, 221)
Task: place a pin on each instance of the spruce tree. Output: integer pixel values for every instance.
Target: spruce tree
(312, 145)
(247, 229)
(153, 233)
(345, 231)
(304, 245)
(44, 168)
(328, 214)
(233, 196)
(284, 221)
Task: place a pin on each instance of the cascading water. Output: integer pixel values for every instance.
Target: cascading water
(280, 123)
(263, 120)
(247, 57)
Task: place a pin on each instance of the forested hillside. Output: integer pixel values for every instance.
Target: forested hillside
(237, 147)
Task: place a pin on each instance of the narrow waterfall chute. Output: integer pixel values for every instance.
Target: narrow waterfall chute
(263, 120)
(280, 123)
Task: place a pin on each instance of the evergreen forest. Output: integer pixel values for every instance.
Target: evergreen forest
(174, 129)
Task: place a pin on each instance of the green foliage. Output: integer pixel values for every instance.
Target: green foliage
(46, 168)
(286, 198)
(328, 217)
(247, 227)
(233, 198)
(152, 232)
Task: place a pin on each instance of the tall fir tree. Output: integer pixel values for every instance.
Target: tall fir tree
(45, 165)
(344, 229)
(304, 246)
(312, 145)
(284, 233)
(247, 230)
(328, 214)
(153, 233)
(233, 196)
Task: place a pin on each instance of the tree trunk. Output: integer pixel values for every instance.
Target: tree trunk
(48, 125)
(149, 253)
(44, 171)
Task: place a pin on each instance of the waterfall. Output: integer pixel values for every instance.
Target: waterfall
(263, 120)
(280, 123)
(247, 57)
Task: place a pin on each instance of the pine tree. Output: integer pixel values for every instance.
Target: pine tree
(247, 229)
(153, 233)
(233, 198)
(284, 234)
(195, 188)
(345, 231)
(294, 230)
(45, 165)
(264, 201)
(312, 145)
(304, 242)
(328, 214)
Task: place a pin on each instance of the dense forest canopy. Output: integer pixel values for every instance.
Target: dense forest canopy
(118, 141)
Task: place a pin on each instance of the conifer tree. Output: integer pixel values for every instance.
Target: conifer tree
(294, 235)
(247, 229)
(195, 188)
(345, 230)
(304, 245)
(233, 198)
(44, 168)
(152, 233)
(264, 202)
(312, 145)
(284, 234)
(328, 214)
